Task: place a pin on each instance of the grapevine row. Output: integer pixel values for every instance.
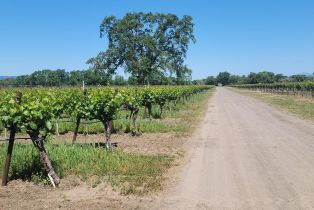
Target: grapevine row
(287, 88)
(33, 110)
(39, 106)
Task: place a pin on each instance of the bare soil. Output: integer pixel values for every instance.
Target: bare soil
(147, 143)
(72, 194)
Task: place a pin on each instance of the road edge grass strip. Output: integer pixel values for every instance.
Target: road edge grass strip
(303, 108)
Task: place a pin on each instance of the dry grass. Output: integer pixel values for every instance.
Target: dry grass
(303, 107)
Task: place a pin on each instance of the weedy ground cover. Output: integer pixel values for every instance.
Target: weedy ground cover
(299, 106)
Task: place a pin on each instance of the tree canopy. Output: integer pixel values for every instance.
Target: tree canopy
(223, 78)
(145, 44)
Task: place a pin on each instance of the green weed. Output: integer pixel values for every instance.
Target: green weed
(141, 173)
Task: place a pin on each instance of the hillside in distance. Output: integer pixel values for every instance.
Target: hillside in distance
(5, 77)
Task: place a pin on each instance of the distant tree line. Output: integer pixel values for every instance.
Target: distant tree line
(60, 77)
(57, 77)
(225, 78)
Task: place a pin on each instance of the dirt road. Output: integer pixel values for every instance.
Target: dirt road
(246, 155)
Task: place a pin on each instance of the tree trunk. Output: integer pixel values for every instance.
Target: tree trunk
(78, 120)
(44, 159)
(149, 108)
(161, 110)
(135, 123)
(107, 126)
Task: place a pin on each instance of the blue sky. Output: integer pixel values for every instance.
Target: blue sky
(235, 36)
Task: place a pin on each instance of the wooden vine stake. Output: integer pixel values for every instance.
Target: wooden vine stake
(7, 162)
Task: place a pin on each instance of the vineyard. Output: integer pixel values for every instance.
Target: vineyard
(304, 89)
(39, 112)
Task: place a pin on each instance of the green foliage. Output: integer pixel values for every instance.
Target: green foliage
(223, 78)
(145, 44)
(119, 80)
(235, 79)
(33, 114)
(139, 172)
(39, 106)
(299, 78)
(104, 103)
(122, 123)
(210, 80)
(261, 77)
